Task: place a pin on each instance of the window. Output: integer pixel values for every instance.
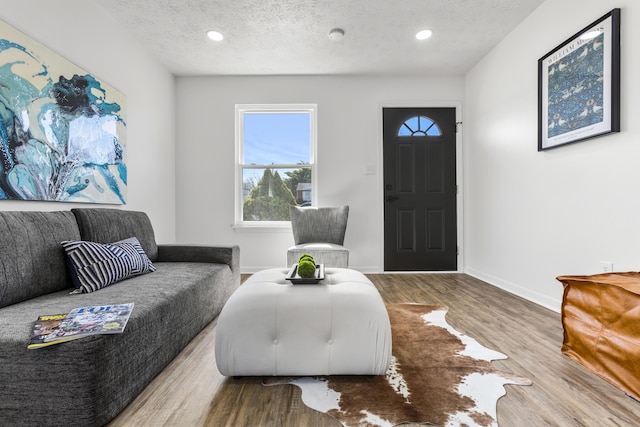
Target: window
(419, 126)
(275, 147)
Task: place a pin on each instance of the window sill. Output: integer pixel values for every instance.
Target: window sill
(267, 227)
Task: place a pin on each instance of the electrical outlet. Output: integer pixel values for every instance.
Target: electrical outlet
(607, 266)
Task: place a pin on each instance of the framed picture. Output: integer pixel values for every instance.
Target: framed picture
(579, 85)
(62, 130)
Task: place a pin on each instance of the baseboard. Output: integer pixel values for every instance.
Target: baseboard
(365, 269)
(253, 269)
(528, 294)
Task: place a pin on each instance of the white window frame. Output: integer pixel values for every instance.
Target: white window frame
(241, 110)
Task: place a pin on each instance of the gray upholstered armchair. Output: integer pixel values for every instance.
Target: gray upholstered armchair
(320, 233)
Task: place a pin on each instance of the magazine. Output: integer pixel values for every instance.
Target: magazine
(44, 326)
(80, 322)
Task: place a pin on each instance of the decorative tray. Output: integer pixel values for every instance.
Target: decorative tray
(295, 279)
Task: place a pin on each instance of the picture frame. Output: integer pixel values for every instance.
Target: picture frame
(579, 85)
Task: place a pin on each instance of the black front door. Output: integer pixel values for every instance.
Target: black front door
(420, 221)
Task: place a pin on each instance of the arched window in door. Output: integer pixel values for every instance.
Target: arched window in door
(419, 126)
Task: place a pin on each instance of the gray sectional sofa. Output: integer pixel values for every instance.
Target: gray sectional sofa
(87, 382)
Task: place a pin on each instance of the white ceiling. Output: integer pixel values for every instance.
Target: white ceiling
(291, 36)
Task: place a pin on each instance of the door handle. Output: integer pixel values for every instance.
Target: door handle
(391, 198)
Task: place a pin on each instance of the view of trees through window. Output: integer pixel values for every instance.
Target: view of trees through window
(276, 165)
(269, 198)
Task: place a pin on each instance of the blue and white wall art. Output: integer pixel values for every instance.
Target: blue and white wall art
(579, 85)
(62, 131)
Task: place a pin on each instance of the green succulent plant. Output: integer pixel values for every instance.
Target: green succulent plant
(306, 268)
(306, 256)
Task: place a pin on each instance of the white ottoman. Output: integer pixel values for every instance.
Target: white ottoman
(272, 327)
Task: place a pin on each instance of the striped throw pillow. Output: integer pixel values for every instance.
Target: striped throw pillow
(94, 266)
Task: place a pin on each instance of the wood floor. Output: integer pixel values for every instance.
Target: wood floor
(191, 392)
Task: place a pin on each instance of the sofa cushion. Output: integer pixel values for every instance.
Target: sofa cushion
(31, 260)
(104, 225)
(95, 265)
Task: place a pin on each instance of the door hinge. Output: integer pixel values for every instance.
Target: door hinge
(458, 126)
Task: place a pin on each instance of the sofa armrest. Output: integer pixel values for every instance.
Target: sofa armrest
(229, 255)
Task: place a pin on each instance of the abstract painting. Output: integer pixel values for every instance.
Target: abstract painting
(579, 85)
(62, 131)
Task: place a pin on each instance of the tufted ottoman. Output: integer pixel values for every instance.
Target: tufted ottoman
(272, 327)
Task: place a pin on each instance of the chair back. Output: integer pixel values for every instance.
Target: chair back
(319, 225)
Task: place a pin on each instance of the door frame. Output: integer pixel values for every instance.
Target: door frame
(459, 177)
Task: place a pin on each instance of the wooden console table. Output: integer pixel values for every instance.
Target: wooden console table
(601, 321)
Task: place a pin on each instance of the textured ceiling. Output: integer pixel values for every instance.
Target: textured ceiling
(291, 36)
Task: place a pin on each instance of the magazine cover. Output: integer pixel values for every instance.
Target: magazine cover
(86, 321)
(45, 325)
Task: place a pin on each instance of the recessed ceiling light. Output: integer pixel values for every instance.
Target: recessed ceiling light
(424, 34)
(336, 34)
(590, 35)
(215, 35)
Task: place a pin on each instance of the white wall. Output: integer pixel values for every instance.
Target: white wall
(349, 137)
(84, 34)
(531, 216)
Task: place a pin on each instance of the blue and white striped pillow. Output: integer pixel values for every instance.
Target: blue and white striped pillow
(96, 265)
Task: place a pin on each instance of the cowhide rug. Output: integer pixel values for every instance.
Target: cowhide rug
(437, 376)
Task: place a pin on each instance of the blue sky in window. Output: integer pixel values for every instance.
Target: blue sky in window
(280, 138)
(419, 126)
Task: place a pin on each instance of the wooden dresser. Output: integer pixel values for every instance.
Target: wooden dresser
(601, 320)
